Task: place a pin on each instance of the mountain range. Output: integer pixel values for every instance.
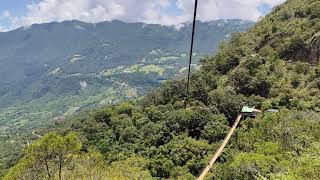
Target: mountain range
(269, 74)
(50, 71)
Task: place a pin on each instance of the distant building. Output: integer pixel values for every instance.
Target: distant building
(250, 111)
(272, 110)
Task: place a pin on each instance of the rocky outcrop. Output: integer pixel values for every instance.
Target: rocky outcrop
(314, 45)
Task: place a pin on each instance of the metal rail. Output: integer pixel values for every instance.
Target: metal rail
(220, 150)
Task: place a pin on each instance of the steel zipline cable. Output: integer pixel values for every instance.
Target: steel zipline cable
(191, 50)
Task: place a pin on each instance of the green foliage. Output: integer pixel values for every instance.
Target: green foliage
(131, 168)
(227, 101)
(217, 129)
(267, 67)
(278, 145)
(170, 139)
(46, 157)
(229, 55)
(50, 71)
(59, 157)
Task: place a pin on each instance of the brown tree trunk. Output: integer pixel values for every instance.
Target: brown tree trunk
(47, 168)
(60, 166)
(314, 56)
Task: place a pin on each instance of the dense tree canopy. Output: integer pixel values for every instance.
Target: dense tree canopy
(267, 67)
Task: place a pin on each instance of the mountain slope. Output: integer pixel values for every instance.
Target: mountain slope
(272, 66)
(30, 49)
(50, 71)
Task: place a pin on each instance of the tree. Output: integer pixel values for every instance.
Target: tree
(46, 157)
(226, 59)
(187, 152)
(102, 116)
(199, 89)
(308, 165)
(119, 123)
(135, 168)
(125, 108)
(227, 102)
(153, 114)
(68, 147)
(241, 81)
(216, 129)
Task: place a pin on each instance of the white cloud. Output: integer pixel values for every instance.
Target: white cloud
(6, 14)
(228, 9)
(148, 11)
(2, 29)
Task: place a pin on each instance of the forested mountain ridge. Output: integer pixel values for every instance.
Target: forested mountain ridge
(76, 48)
(272, 66)
(50, 71)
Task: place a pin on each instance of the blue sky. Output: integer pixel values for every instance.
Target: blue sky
(16, 13)
(265, 8)
(15, 7)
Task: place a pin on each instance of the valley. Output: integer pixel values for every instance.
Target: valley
(115, 107)
(88, 67)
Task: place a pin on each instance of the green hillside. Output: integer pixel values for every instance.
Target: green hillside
(50, 71)
(49, 58)
(272, 66)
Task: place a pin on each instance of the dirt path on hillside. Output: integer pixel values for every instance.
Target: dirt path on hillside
(220, 150)
(37, 135)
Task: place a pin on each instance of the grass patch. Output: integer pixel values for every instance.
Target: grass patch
(153, 68)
